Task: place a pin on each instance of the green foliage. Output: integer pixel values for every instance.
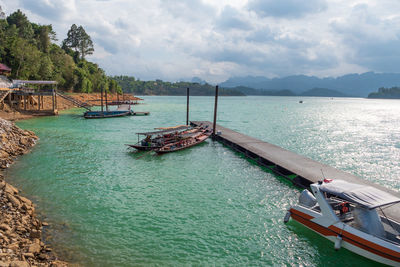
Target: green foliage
(391, 93)
(78, 40)
(28, 50)
(158, 87)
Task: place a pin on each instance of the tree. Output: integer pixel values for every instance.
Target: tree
(2, 14)
(85, 43)
(79, 40)
(22, 23)
(72, 40)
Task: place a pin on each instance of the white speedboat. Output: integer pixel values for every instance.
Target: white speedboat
(353, 217)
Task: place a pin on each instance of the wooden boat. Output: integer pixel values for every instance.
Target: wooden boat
(106, 114)
(157, 139)
(352, 216)
(189, 140)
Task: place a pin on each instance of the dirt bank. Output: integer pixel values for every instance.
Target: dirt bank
(20, 230)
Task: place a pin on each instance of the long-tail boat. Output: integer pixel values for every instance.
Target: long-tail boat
(187, 140)
(157, 139)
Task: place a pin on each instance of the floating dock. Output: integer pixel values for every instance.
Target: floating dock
(300, 170)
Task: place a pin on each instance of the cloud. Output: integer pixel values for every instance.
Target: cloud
(189, 10)
(374, 42)
(231, 18)
(286, 8)
(50, 9)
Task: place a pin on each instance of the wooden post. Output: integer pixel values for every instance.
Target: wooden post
(52, 98)
(24, 102)
(102, 100)
(9, 99)
(106, 100)
(215, 112)
(117, 100)
(55, 97)
(187, 106)
(38, 102)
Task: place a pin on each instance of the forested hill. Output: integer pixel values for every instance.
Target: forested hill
(158, 87)
(389, 93)
(29, 50)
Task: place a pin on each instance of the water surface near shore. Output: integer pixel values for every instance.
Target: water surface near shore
(205, 205)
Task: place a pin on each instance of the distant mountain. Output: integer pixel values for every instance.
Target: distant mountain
(323, 92)
(351, 84)
(252, 91)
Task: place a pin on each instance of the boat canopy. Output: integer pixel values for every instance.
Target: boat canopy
(363, 195)
(166, 130)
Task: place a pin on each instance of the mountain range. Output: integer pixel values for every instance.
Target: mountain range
(358, 85)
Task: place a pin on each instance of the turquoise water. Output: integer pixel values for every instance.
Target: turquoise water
(206, 205)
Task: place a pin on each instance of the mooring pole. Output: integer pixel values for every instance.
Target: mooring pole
(215, 112)
(106, 100)
(102, 100)
(187, 106)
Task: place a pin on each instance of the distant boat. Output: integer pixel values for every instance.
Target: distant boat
(187, 141)
(301, 101)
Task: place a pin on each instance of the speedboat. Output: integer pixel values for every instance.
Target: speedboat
(353, 216)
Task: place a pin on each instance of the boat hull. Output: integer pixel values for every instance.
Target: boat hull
(352, 239)
(144, 148)
(199, 140)
(105, 114)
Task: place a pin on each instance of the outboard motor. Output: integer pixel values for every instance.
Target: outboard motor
(307, 199)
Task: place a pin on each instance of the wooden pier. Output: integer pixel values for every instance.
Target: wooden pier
(300, 170)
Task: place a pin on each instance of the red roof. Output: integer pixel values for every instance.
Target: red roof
(4, 67)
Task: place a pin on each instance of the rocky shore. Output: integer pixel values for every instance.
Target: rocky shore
(20, 230)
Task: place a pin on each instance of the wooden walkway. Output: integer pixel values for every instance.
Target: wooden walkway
(300, 170)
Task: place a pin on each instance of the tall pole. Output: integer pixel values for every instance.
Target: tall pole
(215, 112)
(102, 100)
(106, 100)
(187, 106)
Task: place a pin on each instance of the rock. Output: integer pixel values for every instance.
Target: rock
(19, 264)
(45, 224)
(34, 248)
(29, 255)
(35, 233)
(4, 263)
(10, 189)
(14, 201)
(25, 201)
(43, 256)
(5, 227)
(13, 246)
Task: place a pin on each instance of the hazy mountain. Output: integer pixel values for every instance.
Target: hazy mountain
(323, 92)
(351, 84)
(251, 91)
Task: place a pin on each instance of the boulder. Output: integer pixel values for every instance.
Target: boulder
(19, 264)
(34, 248)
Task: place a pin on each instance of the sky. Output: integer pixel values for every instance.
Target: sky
(214, 40)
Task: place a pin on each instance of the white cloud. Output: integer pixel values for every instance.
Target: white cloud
(214, 40)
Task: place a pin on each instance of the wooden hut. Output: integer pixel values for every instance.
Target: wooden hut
(4, 70)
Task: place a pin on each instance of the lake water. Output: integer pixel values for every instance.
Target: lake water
(206, 205)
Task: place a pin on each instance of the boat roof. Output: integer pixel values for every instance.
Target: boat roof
(363, 195)
(166, 130)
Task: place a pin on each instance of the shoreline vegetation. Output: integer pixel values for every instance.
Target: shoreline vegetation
(20, 229)
(386, 93)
